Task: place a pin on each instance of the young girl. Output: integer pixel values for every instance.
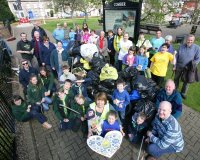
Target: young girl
(129, 58)
(46, 78)
(141, 61)
(85, 37)
(111, 124)
(36, 93)
(24, 112)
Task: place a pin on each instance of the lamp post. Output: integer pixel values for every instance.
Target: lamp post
(41, 6)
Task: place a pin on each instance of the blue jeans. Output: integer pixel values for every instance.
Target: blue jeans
(157, 152)
(46, 103)
(59, 72)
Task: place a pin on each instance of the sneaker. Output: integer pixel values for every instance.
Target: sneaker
(46, 125)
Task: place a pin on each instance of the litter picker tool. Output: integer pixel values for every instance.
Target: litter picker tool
(69, 108)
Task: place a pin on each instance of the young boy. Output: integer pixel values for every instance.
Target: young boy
(80, 87)
(72, 34)
(80, 105)
(94, 123)
(120, 99)
(111, 124)
(60, 102)
(66, 74)
(137, 128)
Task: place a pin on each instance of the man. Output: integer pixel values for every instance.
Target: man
(25, 49)
(66, 31)
(36, 44)
(25, 73)
(186, 53)
(170, 94)
(41, 31)
(158, 40)
(166, 136)
(58, 33)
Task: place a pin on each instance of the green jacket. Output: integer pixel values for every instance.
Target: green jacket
(82, 109)
(47, 82)
(35, 93)
(20, 112)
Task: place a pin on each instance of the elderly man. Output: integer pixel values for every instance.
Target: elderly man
(58, 33)
(186, 53)
(170, 94)
(168, 40)
(166, 136)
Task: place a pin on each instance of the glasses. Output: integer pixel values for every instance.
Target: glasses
(24, 63)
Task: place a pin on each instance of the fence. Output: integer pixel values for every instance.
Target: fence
(7, 125)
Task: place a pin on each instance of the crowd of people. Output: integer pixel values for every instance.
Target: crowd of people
(47, 77)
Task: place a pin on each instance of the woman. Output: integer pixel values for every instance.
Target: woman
(36, 93)
(46, 78)
(143, 42)
(24, 112)
(117, 38)
(78, 32)
(85, 26)
(101, 108)
(46, 50)
(159, 64)
(93, 37)
(57, 58)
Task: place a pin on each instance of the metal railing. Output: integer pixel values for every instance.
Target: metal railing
(7, 123)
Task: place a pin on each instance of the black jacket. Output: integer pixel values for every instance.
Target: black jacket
(40, 30)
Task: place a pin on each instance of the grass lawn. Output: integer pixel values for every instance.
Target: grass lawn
(92, 23)
(192, 100)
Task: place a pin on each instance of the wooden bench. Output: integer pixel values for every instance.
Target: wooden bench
(150, 28)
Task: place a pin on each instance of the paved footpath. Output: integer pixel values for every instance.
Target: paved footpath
(41, 144)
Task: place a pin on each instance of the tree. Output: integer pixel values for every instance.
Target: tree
(196, 13)
(5, 11)
(154, 11)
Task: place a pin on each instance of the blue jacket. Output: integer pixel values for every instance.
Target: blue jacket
(24, 76)
(54, 58)
(58, 34)
(175, 99)
(141, 60)
(106, 127)
(46, 53)
(110, 43)
(123, 97)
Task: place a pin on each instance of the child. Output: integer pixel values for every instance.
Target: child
(120, 99)
(36, 93)
(94, 123)
(141, 62)
(93, 37)
(129, 58)
(72, 35)
(137, 128)
(111, 50)
(80, 87)
(111, 124)
(68, 90)
(80, 105)
(60, 102)
(85, 37)
(125, 44)
(66, 74)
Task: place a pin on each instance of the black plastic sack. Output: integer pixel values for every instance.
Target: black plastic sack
(109, 83)
(97, 64)
(75, 50)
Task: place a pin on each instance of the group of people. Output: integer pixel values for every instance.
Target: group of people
(68, 94)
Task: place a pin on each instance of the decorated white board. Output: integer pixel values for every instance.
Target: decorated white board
(106, 146)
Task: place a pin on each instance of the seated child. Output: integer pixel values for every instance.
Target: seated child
(94, 123)
(138, 127)
(60, 102)
(80, 105)
(68, 90)
(120, 99)
(129, 59)
(67, 74)
(80, 87)
(111, 124)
